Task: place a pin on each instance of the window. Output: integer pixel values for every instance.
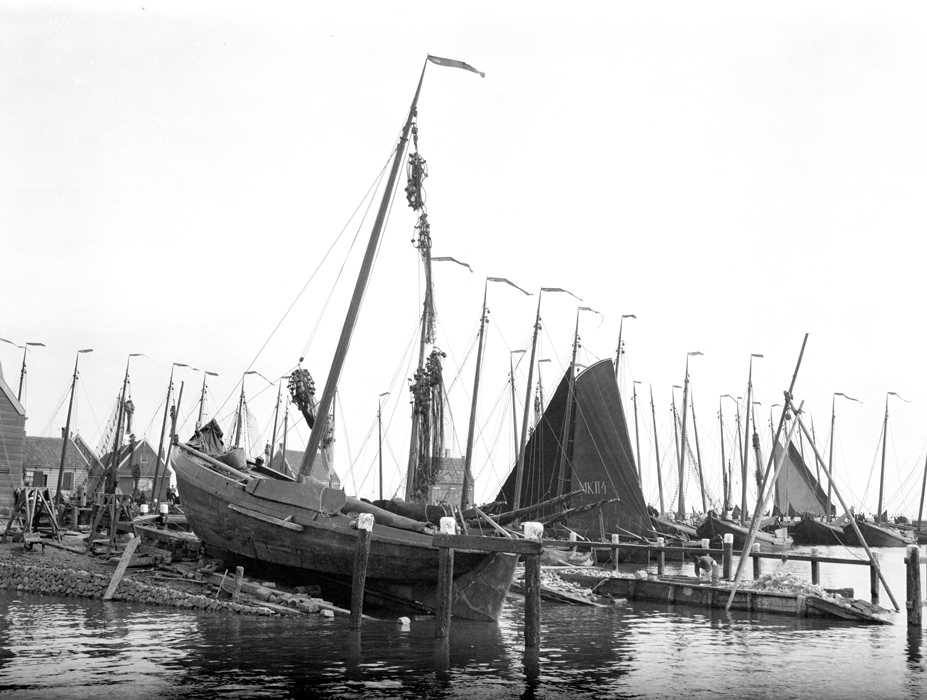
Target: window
(143, 458)
(67, 481)
(39, 479)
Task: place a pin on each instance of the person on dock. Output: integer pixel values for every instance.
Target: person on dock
(703, 566)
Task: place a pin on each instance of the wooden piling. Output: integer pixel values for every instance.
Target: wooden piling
(239, 575)
(661, 559)
(815, 573)
(533, 531)
(914, 604)
(756, 561)
(127, 553)
(359, 576)
(445, 582)
(727, 556)
(615, 540)
(874, 579)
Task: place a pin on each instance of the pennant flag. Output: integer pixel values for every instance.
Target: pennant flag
(450, 62)
(502, 279)
(449, 259)
(557, 289)
(586, 308)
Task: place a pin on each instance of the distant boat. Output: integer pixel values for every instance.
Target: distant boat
(713, 527)
(308, 527)
(879, 533)
(798, 493)
(596, 458)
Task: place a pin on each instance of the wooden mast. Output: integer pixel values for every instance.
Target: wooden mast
(566, 440)
(344, 342)
(656, 447)
(698, 456)
(67, 429)
(471, 430)
(637, 436)
(879, 518)
(725, 486)
(520, 467)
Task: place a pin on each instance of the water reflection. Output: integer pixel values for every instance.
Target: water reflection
(51, 648)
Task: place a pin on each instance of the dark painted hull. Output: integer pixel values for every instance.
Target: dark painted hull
(876, 535)
(402, 564)
(713, 527)
(815, 532)
(669, 527)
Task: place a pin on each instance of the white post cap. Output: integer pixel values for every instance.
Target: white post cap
(448, 526)
(365, 521)
(533, 531)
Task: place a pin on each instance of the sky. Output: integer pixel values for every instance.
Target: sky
(184, 181)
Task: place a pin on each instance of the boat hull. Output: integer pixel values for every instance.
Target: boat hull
(814, 532)
(876, 535)
(713, 527)
(401, 564)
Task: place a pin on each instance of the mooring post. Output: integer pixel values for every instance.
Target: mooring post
(874, 579)
(727, 556)
(815, 568)
(359, 576)
(661, 558)
(239, 575)
(533, 531)
(445, 582)
(756, 560)
(913, 560)
(615, 539)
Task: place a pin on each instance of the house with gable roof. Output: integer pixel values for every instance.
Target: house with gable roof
(12, 439)
(137, 460)
(42, 462)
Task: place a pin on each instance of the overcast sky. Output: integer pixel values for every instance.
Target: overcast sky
(174, 173)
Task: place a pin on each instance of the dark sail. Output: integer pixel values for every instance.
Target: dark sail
(797, 490)
(600, 460)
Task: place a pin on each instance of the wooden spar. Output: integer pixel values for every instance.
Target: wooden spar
(273, 434)
(67, 430)
(637, 436)
(512, 382)
(920, 510)
(698, 457)
(520, 467)
(199, 417)
(872, 559)
(681, 510)
(468, 460)
(676, 443)
(878, 517)
(170, 444)
(656, 448)
(830, 457)
(510, 516)
(725, 486)
(746, 448)
(155, 492)
(344, 342)
(566, 439)
(755, 524)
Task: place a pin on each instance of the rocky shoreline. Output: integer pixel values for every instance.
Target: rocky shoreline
(59, 570)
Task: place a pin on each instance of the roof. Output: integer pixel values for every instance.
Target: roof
(45, 452)
(11, 395)
(450, 470)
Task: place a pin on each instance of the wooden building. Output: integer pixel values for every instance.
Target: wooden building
(449, 481)
(42, 462)
(137, 460)
(12, 439)
(289, 464)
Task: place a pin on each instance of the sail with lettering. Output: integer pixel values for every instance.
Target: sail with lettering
(585, 448)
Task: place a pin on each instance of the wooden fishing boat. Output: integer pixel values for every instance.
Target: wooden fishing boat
(692, 592)
(307, 527)
(714, 527)
(798, 493)
(596, 459)
(876, 535)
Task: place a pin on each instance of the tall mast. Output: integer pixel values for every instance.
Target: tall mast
(698, 456)
(620, 351)
(520, 467)
(320, 426)
(725, 487)
(637, 437)
(566, 441)
(512, 382)
(656, 447)
(681, 512)
(273, 434)
(155, 491)
(67, 429)
(199, 418)
(746, 443)
(879, 518)
(468, 461)
(112, 474)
